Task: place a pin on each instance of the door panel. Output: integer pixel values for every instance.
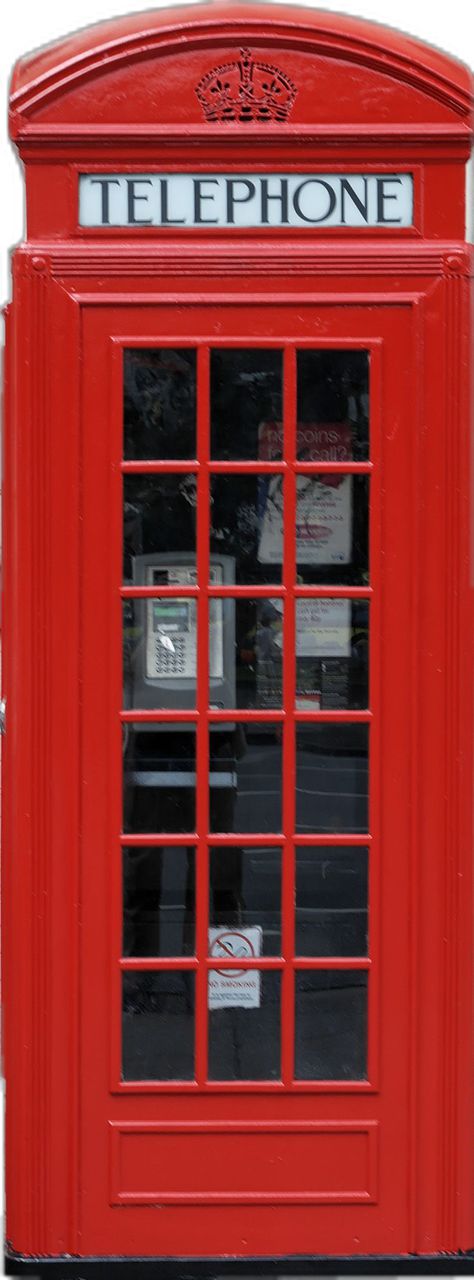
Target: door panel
(246, 733)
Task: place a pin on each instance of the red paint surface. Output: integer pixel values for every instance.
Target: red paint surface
(89, 1159)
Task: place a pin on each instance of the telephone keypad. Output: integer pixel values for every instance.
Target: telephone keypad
(171, 662)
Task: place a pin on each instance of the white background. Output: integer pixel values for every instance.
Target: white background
(27, 24)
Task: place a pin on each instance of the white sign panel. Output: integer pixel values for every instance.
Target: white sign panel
(234, 988)
(323, 628)
(323, 521)
(246, 200)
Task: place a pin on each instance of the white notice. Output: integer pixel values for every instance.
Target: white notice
(323, 628)
(323, 521)
(234, 988)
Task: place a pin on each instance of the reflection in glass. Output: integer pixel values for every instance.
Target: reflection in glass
(245, 893)
(332, 650)
(159, 521)
(331, 901)
(159, 403)
(332, 778)
(245, 777)
(332, 524)
(244, 1025)
(159, 653)
(159, 762)
(333, 406)
(331, 1025)
(255, 632)
(247, 524)
(158, 1026)
(246, 403)
(158, 901)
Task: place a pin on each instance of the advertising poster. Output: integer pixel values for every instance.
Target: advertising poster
(324, 502)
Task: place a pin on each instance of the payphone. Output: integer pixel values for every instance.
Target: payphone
(164, 648)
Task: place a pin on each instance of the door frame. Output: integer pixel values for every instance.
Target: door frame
(130, 329)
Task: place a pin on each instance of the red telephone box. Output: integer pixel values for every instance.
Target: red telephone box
(237, 786)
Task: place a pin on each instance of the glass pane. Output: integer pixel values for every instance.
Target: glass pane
(246, 402)
(245, 892)
(247, 525)
(331, 901)
(159, 776)
(159, 653)
(158, 1026)
(245, 777)
(158, 901)
(332, 778)
(253, 632)
(160, 403)
(332, 526)
(159, 531)
(332, 654)
(244, 1025)
(333, 406)
(331, 1025)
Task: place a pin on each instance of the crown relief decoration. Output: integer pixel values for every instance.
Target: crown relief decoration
(247, 91)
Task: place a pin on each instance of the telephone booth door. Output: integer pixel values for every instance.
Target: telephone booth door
(245, 1055)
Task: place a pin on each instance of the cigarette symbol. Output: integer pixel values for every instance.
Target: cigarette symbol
(235, 946)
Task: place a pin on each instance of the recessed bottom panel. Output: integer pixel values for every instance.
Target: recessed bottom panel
(226, 1162)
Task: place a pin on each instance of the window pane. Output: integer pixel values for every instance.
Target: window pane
(159, 653)
(245, 777)
(160, 403)
(245, 892)
(246, 402)
(159, 772)
(333, 406)
(331, 1025)
(159, 534)
(158, 1026)
(158, 901)
(332, 651)
(244, 1025)
(247, 525)
(332, 778)
(332, 525)
(331, 901)
(253, 652)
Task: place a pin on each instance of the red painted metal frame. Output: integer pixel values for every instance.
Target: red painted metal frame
(82, 294)
(431, 462)
(95, 586)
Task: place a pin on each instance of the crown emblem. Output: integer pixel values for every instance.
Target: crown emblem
(246, 90)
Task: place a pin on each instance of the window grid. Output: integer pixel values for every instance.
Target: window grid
(289, 591)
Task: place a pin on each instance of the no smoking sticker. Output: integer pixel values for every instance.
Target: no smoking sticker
(234, 988)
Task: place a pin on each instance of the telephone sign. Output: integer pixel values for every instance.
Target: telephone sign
(237, 767)
(246, 200)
